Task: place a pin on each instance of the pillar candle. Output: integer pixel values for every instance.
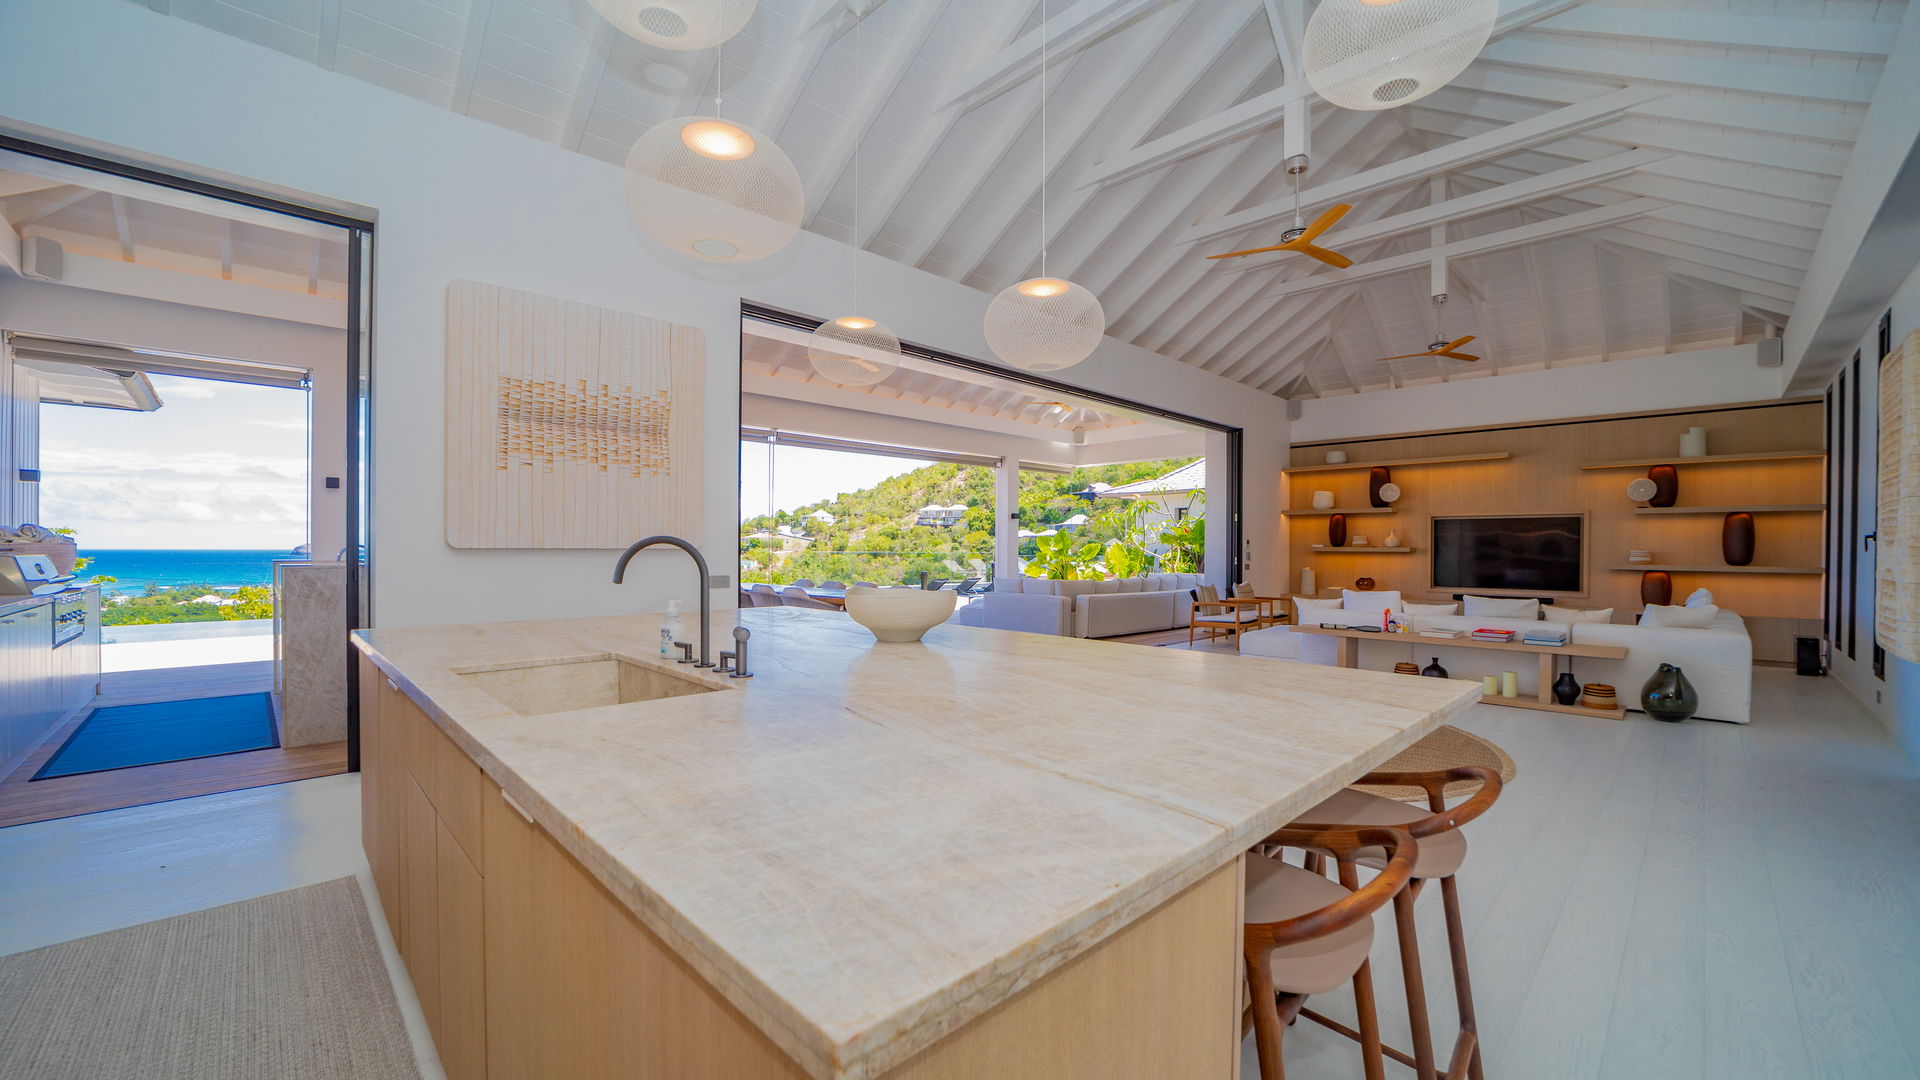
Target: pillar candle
(1509, 684)
(1491, 684)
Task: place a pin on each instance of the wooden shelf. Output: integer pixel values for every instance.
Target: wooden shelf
(1789, 508)
(1397, 462)
(1552, 706)
(1642, 567)
(1336, 510)
(1710, 459)
(1364, 549)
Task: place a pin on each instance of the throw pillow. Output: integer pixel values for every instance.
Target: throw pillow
(1679, 617)
(1699, 598)
(1374, 601)
(1431, 609)
(1242, 591)
(1504, 607)
(1310, 612)
(1569, 616)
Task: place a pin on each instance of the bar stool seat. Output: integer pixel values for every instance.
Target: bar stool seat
(1441, 854)
(1278, 891)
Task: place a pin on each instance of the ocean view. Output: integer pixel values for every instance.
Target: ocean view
(137, 568)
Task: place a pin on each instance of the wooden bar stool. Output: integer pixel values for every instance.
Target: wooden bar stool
(1442, 850)
(1306, 935)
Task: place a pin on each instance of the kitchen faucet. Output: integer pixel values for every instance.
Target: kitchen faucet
(706, 594)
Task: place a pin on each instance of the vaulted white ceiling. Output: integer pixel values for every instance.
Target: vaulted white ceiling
(1608, 180)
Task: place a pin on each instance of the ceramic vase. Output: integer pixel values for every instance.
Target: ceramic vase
(1323, 500)
(1668, 695)
(1309, 582)
(1336, 457)
(1377, 479)
(1694, 442)
(1666, 485)
(1656, 587)
(1736, 538)
(1337, 531)
(1434, 670)
(1393, 538)
(1566, 689)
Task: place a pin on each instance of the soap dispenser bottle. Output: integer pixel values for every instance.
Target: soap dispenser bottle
(671, 628)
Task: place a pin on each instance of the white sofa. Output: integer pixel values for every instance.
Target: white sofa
(1030, 613)
(1717, 660)
(1093, 608)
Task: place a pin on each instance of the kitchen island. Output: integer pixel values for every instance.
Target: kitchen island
(986, 854)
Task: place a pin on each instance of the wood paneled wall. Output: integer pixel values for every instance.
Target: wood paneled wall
(1544, 475)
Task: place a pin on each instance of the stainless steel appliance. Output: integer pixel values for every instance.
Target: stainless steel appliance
(69, 617)
(30, 575)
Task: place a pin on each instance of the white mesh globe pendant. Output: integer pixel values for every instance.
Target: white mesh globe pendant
(1044, 324)
(713, 189)
(685, 25)
(853, 350)
(1376, 54)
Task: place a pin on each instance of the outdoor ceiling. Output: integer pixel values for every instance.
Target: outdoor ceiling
(1608, 179)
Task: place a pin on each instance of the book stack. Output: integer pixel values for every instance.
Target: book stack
(1440, 632)
(1489, 634)
(1546, 635)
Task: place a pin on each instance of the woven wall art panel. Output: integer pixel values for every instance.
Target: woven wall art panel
(1896, 600)
(568, 425)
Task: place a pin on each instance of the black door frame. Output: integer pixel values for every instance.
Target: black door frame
(359, 371)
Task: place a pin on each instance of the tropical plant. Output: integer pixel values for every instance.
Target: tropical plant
(1186, 541)
(1064, 557)
(250, 602)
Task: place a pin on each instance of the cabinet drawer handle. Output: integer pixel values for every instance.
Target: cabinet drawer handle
(392, 687)
(517, 808)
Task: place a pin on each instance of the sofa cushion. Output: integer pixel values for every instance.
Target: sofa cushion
(1431, 609)
(1109, 614)
(1158, 583)
(1133, 585)
(1569, 616)
(1678, 617)
(1008, 584)
(1074, 589)
(1310, 612)
(1506, 607)
(1373, 600)
(1107, 585)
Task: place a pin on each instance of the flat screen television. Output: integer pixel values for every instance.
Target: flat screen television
(1533, 553)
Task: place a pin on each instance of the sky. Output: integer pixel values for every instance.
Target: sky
(804, 475)
(218, 465)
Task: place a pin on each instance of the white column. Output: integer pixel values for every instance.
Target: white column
(1006, 519)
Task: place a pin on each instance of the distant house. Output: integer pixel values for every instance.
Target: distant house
(1173, 495)
(1073, 522)
(822, 517)
(944, 517)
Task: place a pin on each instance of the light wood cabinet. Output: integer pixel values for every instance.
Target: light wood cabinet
(529, 969)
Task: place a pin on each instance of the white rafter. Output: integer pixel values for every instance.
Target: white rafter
(1066, 32)
(1855, 37)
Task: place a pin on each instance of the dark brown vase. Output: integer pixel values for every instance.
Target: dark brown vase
(1376, 480)
(1736, 538)
(1656, 587)
(1337, 531)
(1666, 485)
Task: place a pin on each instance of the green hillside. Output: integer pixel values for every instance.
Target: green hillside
(875, 537)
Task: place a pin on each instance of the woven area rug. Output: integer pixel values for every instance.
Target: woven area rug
(290, 986)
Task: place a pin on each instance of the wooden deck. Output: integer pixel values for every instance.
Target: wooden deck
(23, 799)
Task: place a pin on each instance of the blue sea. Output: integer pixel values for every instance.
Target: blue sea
(138, 568)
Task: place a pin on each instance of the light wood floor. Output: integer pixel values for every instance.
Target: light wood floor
(1647, 901)
(23, 799)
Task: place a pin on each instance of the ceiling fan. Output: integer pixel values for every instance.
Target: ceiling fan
(1301, 239)
(1440, 346)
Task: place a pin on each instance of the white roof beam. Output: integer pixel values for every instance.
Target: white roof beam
(1287, 20)
(328, 45)
(802, 62)
(123, 225)
(478, 12)
(1726, 294)
(1828, 83)
(1064, 34)
(225, 229)
(587, 88)
(1852, 37)
(9, 244)
(1544, 128)
(1565, 225)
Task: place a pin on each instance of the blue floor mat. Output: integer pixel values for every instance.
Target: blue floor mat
(122, 736)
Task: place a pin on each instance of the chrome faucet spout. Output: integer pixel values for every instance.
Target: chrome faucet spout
(706, 594)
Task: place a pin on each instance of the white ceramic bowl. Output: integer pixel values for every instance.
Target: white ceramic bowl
(900, 614)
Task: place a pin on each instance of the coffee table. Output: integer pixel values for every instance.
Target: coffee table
(1348, 655)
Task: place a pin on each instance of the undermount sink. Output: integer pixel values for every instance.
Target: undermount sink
(539, 688)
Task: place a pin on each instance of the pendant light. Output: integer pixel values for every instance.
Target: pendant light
(683, 25)
(1376, 54)
(854, 350)
(1044, 323)
(714, 189)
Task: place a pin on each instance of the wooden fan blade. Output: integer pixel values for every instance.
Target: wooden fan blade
(1250, 251)
(1323, 223)
(1409, 356)
(1457, 356)
(1331, 258)
(1454, 344)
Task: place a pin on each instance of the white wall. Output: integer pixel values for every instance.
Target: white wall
(1896, 701)
(460, 198)
(36, 307)
(1681, 380)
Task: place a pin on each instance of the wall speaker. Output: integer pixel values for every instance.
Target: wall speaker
(42, 258)
(1771, 352)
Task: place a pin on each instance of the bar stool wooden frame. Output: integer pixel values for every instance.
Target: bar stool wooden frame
(1464, 1063)
(1269, 1010)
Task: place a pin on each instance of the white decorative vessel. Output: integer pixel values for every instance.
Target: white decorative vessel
(899, 614)
(1323, 500)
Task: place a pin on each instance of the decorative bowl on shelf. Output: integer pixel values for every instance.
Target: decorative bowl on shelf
(900, 614)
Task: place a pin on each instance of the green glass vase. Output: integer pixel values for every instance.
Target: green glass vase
(1669, 696)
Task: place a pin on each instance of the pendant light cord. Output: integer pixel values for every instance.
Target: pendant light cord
(1043, 138)
(859, 26)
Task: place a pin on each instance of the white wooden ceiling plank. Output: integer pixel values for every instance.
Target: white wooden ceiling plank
(1857, 37)
(471, 47)
(587, 88)
(1849, 86)
(1065, 33)
(802, 61)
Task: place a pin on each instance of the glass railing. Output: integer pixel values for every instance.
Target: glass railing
(865, 567)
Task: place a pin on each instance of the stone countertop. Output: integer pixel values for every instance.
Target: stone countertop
(867, 845)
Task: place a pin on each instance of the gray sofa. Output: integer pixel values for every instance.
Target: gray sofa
(1091, 609)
